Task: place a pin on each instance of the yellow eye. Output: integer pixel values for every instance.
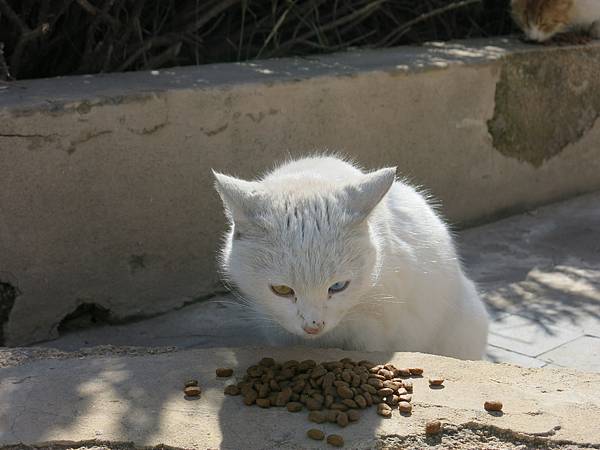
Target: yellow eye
(282, 290)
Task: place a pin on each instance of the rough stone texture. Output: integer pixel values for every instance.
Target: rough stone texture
(544, 105)
(106, 193)
(138, 399)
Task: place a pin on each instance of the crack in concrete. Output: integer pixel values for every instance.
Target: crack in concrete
(456, 435)
(88, 136)
(216, 131)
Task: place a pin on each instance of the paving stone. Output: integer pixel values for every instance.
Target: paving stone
(528, 337)
(498, 355)
(583, 353)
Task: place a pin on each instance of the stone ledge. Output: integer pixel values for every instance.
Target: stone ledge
(106, 193)
(137, 399)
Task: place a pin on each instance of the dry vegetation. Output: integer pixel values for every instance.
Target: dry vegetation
(41, 38)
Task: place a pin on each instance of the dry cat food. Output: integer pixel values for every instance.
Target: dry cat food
(224, 372)
(433, 427)
(192, 391)
(190, 383)
(493, 405)
(315, 434)
(331, 392)
(436, 381)
(336, 440)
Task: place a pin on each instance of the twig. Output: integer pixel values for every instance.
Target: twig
(423, 17)
(4, 72)
(13, 17)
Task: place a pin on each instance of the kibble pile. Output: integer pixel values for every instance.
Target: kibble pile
(332, 391)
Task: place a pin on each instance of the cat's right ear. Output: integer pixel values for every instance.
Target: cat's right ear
(242, 199)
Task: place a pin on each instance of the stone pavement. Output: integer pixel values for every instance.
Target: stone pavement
(128, 398)
(539, 274)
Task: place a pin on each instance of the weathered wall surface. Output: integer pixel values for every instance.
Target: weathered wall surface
(106, 194)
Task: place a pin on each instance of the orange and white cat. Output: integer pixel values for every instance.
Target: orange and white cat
(541, 20)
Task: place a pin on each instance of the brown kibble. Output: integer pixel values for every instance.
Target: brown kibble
(345, 392)
(375, 382)
(350, 403)
(392, 400)
(405, 398)
(384, 410)
(264, 391)
(353, 415)
(493, 405)
(294, 406)
(232, 389)
(328, 380)
(192, 391)
(376, 368)
(263, 402)
(342, 419)
(331, 415)
(339, 407)
(408, 385)
(315, 434)
(250, 396)
(405, 407)
(224, 372)
(436, 381)
(361, 401)
(388, 375)
(433, 427)
(367, 364)
(191, 383)
(385, 392)
(336, 440)
(404, 372)
(393, 385)
(402, 391)
(283, 397)
(368, 388)
(318, 372)
(267, 362)
(417, 371)
(313, 405)
(316, 416)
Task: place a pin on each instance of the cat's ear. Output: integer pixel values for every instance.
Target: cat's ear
(364, 196)
(242, 199)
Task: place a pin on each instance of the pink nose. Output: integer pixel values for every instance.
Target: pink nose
(312, 330)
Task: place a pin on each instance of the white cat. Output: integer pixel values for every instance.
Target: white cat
(331, 256)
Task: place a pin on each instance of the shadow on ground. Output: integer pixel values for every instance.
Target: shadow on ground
(139, 399)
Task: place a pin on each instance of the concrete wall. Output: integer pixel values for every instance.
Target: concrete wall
(105, 188)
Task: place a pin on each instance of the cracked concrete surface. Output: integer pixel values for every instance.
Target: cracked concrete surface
(138, 399)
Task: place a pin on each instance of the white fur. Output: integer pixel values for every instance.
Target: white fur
(316, 221)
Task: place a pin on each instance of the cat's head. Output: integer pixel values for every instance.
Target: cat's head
(540, 20)
(302, 250)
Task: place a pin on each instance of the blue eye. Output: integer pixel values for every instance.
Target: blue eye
(338, 287)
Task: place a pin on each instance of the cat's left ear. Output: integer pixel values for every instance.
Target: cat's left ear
(363, 197)
(242, 199)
